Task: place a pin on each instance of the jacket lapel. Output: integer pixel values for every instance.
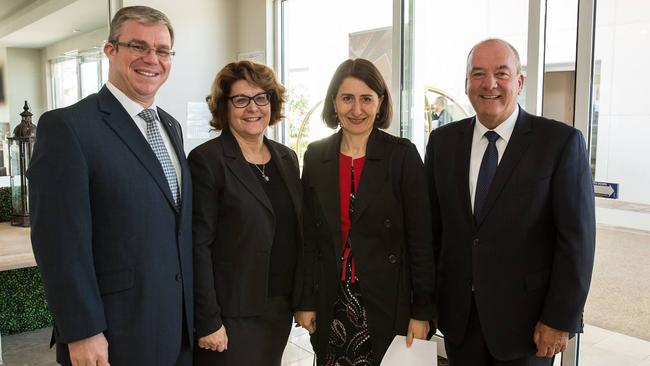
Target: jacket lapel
(177, 143)
(285, 164)
(463, 156)
(239, 167)
(329, 194)
(519, 141)
(124, 126)
(373, 176)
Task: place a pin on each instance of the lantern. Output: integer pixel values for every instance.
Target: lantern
(20, 153)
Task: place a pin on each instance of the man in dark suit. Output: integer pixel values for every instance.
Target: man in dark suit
(110, 194)
(513, 217)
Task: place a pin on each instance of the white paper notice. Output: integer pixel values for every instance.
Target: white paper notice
(421, 353)
(198, 120)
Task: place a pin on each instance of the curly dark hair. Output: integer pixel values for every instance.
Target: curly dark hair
(256, 74)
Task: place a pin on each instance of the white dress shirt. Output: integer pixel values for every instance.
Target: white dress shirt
(133, 109)
(480, 143)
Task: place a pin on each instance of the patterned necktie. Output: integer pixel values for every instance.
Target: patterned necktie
(158, 147)
(486, 173)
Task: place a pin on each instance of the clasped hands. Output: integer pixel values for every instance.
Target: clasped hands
(417, 328)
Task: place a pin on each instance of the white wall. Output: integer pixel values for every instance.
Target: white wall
(4, 107)
(24, 82)
(205, 40)
(255, 27)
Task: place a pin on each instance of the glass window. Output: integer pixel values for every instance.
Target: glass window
(76, 77)
(64, 82)
(443, 32)
(317, 37)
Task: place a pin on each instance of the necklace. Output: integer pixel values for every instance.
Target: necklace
(266, 177)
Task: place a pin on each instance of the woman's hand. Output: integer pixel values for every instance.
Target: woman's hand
(217, 341)
(417, 329)
(306, 319)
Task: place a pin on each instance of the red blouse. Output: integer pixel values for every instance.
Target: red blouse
(345, 177)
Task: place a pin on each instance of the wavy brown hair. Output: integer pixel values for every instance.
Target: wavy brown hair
(256, 74)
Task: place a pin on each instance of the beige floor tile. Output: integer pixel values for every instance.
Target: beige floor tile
(293, 353)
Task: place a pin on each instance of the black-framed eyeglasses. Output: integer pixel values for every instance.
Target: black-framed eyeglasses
(242, 101)
(143, 49)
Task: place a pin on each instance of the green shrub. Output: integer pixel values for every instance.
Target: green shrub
(22, 301)
(5, 204)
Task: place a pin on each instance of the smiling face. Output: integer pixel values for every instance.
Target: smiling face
(139, 76)
(356, 106)
(251, 121)
(493, 82)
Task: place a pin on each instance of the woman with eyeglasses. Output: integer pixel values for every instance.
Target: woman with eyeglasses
(247, 223)
(367, 226)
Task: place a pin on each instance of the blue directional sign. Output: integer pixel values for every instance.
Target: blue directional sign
(606, 190)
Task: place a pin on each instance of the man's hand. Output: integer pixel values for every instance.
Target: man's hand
(549, 341)
(217, 341)
(92, 351)
(306, 319)
(417, 329)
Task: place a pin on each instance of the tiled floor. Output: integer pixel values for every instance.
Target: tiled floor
(599, 347)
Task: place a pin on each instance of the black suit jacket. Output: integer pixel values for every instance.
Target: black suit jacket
(233, 230)
(113, 251)
(530, 258)
(390, 235)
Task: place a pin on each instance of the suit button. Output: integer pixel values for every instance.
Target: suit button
(318, 223)
(387, 224)
(475, 242)
(178, 277)
(392, 259)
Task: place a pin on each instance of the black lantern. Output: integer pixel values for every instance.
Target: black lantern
(20, 153)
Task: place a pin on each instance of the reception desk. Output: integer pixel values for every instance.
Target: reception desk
(15, 247)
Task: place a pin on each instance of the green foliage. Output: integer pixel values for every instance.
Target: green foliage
(22, 301)
(5, 204)
(297, 107)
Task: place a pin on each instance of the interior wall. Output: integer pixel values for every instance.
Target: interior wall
(255, 28)
(559, 87)
(24, 82)
(4, 106)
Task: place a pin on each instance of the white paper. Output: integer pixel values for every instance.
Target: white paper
(421, 353)
(198, 120)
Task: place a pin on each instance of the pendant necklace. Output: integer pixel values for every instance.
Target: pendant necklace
(266, 177)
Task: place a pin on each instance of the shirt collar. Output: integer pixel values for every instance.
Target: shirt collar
(504, 129)
(132, 108)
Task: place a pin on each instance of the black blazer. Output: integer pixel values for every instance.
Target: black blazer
(530, 258)
(114, 252)
(391, 236)
(233, 230)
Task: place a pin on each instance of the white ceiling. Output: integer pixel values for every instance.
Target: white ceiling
(40, 23)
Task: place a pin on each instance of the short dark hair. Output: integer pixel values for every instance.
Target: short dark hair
(256, 74)
(142, 15)
(365, 71)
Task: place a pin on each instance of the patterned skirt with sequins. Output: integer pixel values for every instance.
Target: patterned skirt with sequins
(349, 338)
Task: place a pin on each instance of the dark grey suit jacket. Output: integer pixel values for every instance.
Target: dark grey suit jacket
(530, 258)
(114, 252)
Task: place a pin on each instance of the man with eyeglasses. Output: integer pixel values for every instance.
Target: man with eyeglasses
(110, 195)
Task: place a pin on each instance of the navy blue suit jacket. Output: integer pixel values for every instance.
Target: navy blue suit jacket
(530, 257)
(114, 252)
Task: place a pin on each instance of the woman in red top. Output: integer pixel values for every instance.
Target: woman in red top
(367, 227)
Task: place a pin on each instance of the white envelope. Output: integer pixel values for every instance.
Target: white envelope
(421, 353)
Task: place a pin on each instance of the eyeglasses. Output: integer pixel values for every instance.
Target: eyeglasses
(143, 49)
(242, 101)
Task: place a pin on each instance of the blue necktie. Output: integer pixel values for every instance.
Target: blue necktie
(158, 147)
(486, 173)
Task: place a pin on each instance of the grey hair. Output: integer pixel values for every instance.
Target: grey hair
(499, 40)
(141, 14)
